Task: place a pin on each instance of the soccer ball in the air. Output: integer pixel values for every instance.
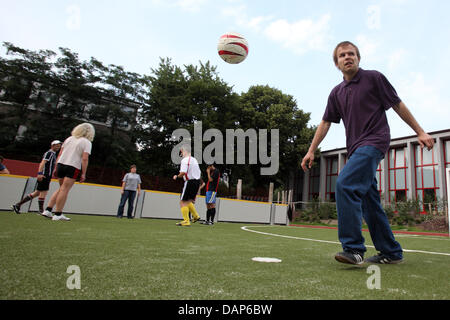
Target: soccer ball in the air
(232, 48)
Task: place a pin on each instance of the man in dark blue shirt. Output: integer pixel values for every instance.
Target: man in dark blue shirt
(361, 101)
(44, 177)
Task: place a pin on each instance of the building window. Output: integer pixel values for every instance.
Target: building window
(447, 153)
(427, 174)
(314, 183)
(446, 159)
(398, 178)
(332, 171)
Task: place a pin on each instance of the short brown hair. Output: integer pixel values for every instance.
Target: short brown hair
(343, 44)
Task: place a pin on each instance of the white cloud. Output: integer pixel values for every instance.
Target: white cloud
(237, 13)
(257, 22)
(186, 5)
(191, 5)
(397, 59)
(368, 49)
(241, 18)
(423, 96)
(301, 35)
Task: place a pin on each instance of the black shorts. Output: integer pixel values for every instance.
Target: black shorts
(44, 184)
(65, 171)
(190, 190)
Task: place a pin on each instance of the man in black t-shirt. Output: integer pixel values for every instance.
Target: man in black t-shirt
(44, 177)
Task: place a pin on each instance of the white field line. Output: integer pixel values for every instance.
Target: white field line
(420, 237)
(334, 242)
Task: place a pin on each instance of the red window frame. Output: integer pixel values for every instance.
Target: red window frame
(446, 161)
(421, 166)
(330, 195)
(395, 169)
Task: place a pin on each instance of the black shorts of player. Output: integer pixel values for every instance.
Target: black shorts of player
(190, 190)
(65, 171)
(44, 184)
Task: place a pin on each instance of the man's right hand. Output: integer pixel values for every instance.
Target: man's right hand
(308, 161)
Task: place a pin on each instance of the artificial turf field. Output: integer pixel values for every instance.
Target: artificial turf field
(150, 259)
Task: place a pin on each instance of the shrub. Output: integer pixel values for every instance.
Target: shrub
(316, 211)
(404, 213)
(390, 212)
(327, 211)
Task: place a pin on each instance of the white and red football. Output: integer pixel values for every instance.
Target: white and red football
(232, 48)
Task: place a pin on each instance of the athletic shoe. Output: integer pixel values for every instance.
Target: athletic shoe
(64, 218)
(16, 208)
(382, 259)
(183, 224)
(61, 217)
(47, 214)
(194, 220)
(350, 257)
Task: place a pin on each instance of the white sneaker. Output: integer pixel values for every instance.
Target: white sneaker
(61, 217)
(64, 218)
(47, 214)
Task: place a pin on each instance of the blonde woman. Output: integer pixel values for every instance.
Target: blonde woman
(72, 164)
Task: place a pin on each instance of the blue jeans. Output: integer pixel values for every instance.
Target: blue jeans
(127, 195)
(357, 197)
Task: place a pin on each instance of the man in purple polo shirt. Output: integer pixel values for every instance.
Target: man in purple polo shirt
(361, 101)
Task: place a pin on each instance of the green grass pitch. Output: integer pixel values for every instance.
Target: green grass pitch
(153, 259)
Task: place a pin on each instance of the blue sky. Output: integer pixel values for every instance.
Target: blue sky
(291, 44)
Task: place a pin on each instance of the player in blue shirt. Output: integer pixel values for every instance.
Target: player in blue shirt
(212, 186)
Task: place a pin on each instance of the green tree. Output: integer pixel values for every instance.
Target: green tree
(165, 110)
(50, 94)
(177, 99)
(19, 76)
(268, 108)
(141, 112)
